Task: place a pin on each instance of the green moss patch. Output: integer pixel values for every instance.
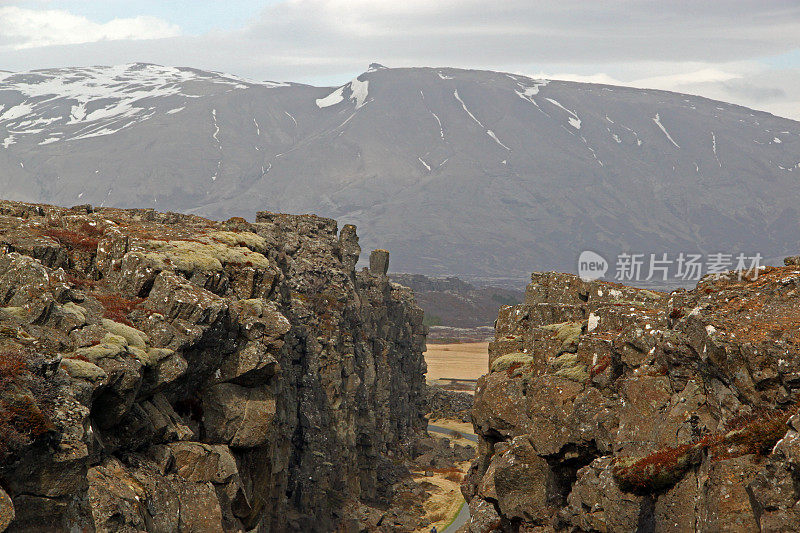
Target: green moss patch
(504, 362)
(192, 256)
(570, 367)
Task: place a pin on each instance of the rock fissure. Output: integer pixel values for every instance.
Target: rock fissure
(205, 376)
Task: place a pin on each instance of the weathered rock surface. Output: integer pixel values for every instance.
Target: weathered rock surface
(615, 409)
(448, 404)
(164, 372)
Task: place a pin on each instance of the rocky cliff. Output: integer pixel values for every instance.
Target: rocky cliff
(164, 372)
(614, 409)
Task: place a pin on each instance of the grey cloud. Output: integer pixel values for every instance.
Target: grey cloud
(515, 30)
(748, 90)
(325, 35)
(329, 41)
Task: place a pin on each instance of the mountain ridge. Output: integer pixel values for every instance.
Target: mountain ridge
(471, 173)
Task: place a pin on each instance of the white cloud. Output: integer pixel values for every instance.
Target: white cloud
(27, 28)
(599, 77)
(748, 83)
(681, 78)
(670, 81)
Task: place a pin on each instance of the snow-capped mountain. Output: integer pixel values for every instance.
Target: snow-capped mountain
(473, 173)
(80, 103)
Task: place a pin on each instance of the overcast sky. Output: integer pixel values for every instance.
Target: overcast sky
(741, 51)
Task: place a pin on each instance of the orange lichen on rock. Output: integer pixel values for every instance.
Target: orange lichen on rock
(117, 308)
(22, 417)
(73, 239)
(664, 468)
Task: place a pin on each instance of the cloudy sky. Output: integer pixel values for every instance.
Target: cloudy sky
(741, 51)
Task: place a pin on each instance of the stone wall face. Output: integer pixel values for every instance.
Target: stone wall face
(608, 408)
(188, 375)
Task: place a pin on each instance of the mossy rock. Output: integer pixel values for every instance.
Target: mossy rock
(7, 513)
(192, 256)
(16, 333)
(133, 336)
(247, 239)
(75, 309)
(153, 356)
(80, 369)
(504, 362)
(17, 313)
(139, 354)
(570, 367)
(112, 346)
(568, 333)
(252, 307)
(650, 295)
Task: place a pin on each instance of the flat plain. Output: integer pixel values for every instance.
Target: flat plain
(469, 360)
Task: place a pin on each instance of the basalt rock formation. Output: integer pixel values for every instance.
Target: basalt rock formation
(615, 409)
(165, 372)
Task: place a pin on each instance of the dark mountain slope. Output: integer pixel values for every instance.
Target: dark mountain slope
(471, 173)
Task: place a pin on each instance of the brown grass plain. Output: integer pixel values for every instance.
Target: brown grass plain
(468, 360)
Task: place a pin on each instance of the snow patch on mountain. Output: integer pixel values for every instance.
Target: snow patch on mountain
(466, 110)
(332, 99)
(82, 102)
(215, 135)
(527, 92)
(714, 148)
(16, 112)
(573, 119)
(359, 91)
(657, 120)
(491, 134)
(438, 120)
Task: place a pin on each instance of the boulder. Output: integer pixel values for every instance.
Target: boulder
(198, 462)
(6, 510)
(519, 482)
(238, 416)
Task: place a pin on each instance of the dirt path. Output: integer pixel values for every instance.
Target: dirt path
(449, 432)
(462, 517)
